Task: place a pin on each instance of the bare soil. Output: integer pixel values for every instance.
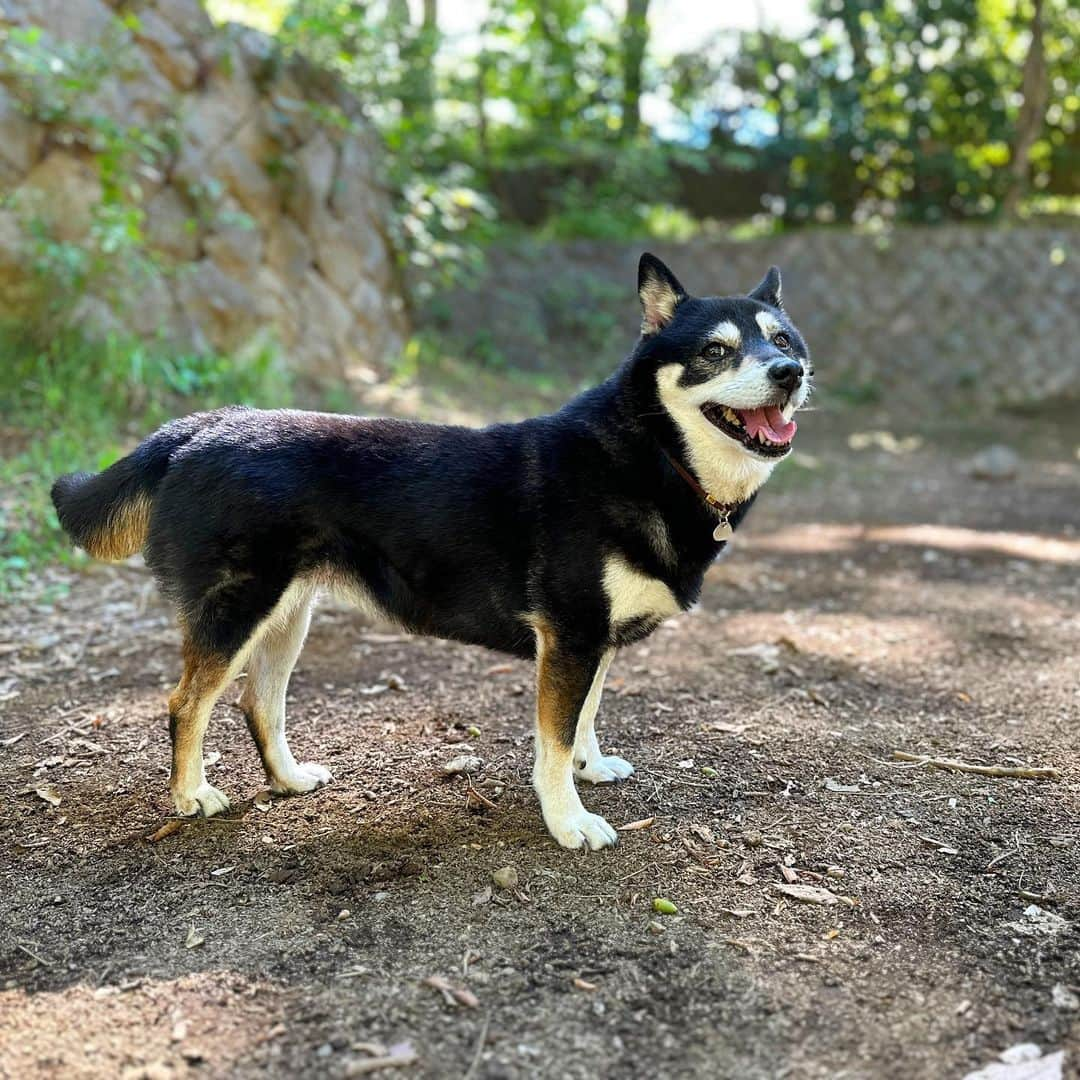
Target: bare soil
(880, 601)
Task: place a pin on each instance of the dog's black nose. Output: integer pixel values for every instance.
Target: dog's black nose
(786, 373)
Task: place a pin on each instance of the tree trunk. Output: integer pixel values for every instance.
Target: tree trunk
(424, 60)
(481, 111)
(418, 46)
(1029, 121)
(635, 38)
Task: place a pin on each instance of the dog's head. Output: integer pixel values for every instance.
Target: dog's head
(730, 371)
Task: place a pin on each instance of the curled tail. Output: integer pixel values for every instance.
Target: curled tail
(108, 513)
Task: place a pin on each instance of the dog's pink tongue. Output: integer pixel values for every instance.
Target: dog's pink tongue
(769, 420)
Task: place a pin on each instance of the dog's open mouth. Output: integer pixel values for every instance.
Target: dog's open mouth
(763, 431)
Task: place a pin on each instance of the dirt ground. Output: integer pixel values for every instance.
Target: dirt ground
(879, 601)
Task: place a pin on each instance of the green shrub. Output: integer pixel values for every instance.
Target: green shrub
(74, 404)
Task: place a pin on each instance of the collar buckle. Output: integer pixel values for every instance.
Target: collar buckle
(724, 529)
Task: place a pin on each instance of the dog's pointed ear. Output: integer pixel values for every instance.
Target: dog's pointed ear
(769, 290)
(660, 294)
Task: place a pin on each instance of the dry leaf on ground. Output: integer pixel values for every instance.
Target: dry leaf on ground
(808, 894)
(400, 1054)
(166, 830)
(454, 995)
(463, 763)
(631, 826)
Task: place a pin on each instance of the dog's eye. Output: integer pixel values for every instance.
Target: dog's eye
(714, 351)
(781, 341)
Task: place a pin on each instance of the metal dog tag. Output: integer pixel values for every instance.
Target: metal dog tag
(723, 530)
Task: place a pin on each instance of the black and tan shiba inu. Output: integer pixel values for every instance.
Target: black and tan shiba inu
(562, 538)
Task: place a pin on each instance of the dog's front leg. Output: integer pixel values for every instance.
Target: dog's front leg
(563, 680)
(589, 763)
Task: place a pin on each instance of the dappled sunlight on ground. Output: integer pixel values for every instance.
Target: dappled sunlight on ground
(819, 538)
(883, 641)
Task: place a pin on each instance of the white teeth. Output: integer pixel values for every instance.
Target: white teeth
(731, 416)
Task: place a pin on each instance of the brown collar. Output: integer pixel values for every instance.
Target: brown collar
(724, 529)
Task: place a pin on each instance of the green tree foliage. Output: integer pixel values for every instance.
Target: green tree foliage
(882, 111)
(899, 110)
(525, 114)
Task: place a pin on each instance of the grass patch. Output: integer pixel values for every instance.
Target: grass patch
(76, 404)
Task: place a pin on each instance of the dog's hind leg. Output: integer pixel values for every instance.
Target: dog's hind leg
(220, 631)
(205, 676)
(263, 699)
(589, 763)
(563, 681)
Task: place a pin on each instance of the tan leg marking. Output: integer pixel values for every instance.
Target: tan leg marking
(190, 705)
(562, 685)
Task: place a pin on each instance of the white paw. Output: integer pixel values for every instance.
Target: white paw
(576, 829)
(305, 777)
(603, 770)
(204, 801)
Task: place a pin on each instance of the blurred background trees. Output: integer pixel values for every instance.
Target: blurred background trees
(564, 114)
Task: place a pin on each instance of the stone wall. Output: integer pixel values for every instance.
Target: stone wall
(263, 210)
(953, 317)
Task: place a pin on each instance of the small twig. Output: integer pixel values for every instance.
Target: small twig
(471, 1072)
(363, 1066)
(80, 727)
(637, 873)
(33, 955)
(876, 794)
(472, 791)
(747, 944)
(933, 841)
(949, 764)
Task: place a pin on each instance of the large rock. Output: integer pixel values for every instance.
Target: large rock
(289, 251)
(262, 222)
(242, 166)
(62, 191)
(172, 225)
(168, 48)
(20, 139)
(222, 308)
(325, 323)
(355, 195)
(78, 21)
(187, 16)
(238, 249)
(312, 180)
